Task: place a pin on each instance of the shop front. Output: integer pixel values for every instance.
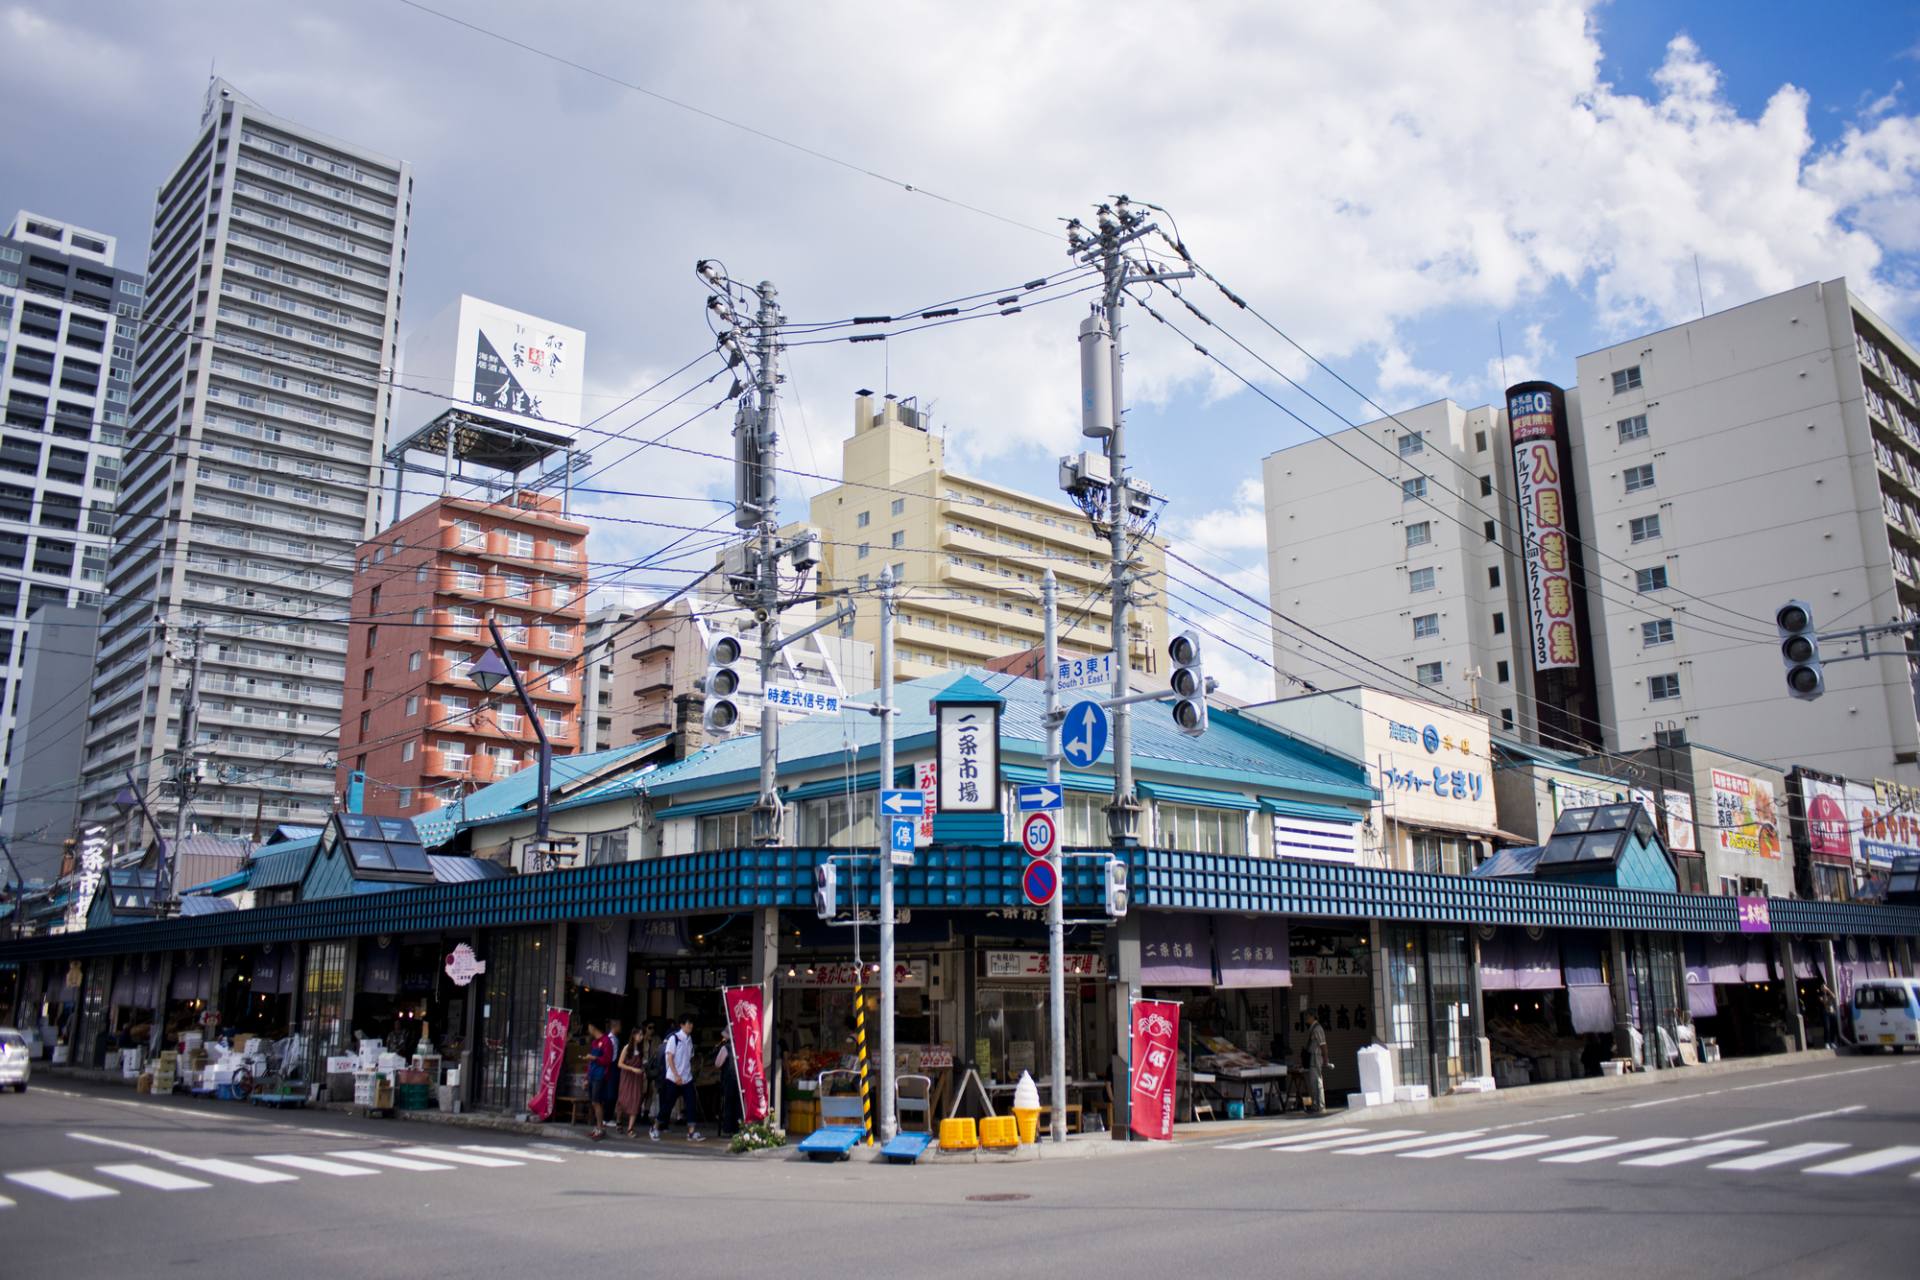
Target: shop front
(1430, 984)
(1231, 976)
(1332, 978)
(1535, 1033)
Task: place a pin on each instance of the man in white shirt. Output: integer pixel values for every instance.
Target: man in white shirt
(677, 1059)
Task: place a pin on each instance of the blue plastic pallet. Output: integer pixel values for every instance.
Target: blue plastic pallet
(905, 1148)
(835, 1142)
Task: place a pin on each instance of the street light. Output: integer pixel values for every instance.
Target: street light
(487, 671)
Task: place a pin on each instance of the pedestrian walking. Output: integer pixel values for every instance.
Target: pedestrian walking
(1829, 1014)
(636, 1083)
(600, 1090)
(676, 1057)
(729, 1089)
(1314, 1058)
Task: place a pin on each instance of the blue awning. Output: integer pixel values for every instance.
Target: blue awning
(1196, 795)
(1027, 775)
(1301, 809)
(238, 880)
(702, 808)
(832, 787)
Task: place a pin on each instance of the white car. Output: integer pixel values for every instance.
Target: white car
(16, 1060)
(1886, 1013)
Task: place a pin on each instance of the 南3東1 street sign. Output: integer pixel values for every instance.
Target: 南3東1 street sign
(1083, 740)
(1039, 834)
(1083, 673)
(1042, 797)
(901, 834)
(897, 804)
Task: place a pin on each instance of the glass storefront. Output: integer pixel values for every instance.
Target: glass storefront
(1432, 1024)
(512, 1000)
(323, 1028)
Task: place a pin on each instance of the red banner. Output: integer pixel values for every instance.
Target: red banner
(553, 1058)
(1156, 1053)
(744, 1021)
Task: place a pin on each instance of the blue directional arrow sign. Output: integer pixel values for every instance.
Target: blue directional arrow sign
(1038, 798)
(901, 840)
(1083, 739)
(900, 804)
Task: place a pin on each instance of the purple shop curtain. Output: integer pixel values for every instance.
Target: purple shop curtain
(600, 955)
(380, 971)
(1253, 953)
(1496, 962)
(1753, 963)
(1725, 958)
(1175, 951)
(1589, 1001)
(1701, 1000)
(266, 973)
(191, 981)
(123, 984)
(1536, 962)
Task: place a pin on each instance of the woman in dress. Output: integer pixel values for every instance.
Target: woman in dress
(635, 1083)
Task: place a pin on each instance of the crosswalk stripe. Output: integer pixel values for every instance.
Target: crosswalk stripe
(5, 1203)
(1867, 1161)
(1284, 1139)
(1407, 1144)
(387, 1160)
(1782, 1155)
(233, 1169)
(1479, 1144)
(1617, 1149)
(1698, 1151)
(65, 1186)
(517, 1153)
(1541, 1148)
(313, 1164)
(1328, 1143)
(458, 1157)
(158, 1179)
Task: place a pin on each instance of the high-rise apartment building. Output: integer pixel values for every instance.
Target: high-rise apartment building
(969, 555)
(413, 721)
(259, 411)
(1713, 471)
(67, 318)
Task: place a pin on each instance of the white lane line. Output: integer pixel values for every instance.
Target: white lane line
(388, 1161)
(158, 1179)
(5, 1203)
(1780, 1155)
(1284, 1139)
(65, 1186)
(233, 1169)
(1542, 1148)
(1408, 1144)
(458, 1157)
(313, 1164)
(1617, 1149)
(1521, 1124)
(1701, 1151)
(1481, 1144)
(154, 1153)
(1328, 1143)
(1867, 1162)
(521, 1153)
(1775, 1124)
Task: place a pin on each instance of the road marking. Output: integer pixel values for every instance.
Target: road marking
(1481, 1144)
(1617, 1149)
(1309, 1136)
(1327, 1143)
(313, 1164)
(1541, 1148)
(152, 1152)
(1408, 1144)
(520, 1153)
(1521, 1124)
(5, 1203)
(1780, 1155)
(1867, 1162)
(387, 1160)
(233, 1169)
(65, 1186)
(1775, 1124)
(458, 1157)
(158, 1179)
(1700, 1152)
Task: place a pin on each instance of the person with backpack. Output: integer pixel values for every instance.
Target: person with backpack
(676, 1060)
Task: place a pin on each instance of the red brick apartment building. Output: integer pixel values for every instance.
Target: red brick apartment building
(423, 591)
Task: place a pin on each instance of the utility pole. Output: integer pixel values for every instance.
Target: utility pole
(1057, 909)
(766, 605)
(889, 1114)
(186, 771)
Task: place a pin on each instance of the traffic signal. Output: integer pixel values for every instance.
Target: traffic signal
(1113, 887)
(722, 685)
(1800, 650)
(826, 890)
(1189, 681)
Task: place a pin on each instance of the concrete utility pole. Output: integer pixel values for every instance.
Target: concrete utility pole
(1057, 909)
(186, 769)
(760, 478)
(889, 1113)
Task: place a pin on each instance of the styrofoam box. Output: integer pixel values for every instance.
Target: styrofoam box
(1411, 1093)
(1355, 1101)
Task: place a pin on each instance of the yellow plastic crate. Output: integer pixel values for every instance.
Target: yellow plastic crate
(958, 1134)
(999, 1132)
(803, 1117)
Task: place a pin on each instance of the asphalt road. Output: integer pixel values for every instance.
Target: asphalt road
(1807, 1170)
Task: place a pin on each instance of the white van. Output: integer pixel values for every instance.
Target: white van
(1886, 1013)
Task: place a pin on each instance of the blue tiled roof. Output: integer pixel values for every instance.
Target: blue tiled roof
(201, 904)
(278, 865)
(1510, 862)
(512, 794)
(448, 870)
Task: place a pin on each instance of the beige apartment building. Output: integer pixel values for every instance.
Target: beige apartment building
(970, 555)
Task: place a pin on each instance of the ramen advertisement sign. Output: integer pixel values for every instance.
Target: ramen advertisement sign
(1745, 817)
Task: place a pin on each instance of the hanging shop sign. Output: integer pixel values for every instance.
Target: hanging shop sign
(926, 776)
(1330, 967)
(1829, 836)
(1886, 817)
(1744, 815)
(380, 976)
(744, 1020)
(1754, 917)
(1252, 953)
(463, 966)
(93, 870)
(553, 1057)
(969, 772)
(600, 955)
(1543, 523)
(1033, 964)
(1681, 837)
(661, 937)
(1156, 1051)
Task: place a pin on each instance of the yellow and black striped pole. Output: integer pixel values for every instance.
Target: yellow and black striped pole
(860, 1037)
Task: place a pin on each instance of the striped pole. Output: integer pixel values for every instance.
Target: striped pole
(860, 1037)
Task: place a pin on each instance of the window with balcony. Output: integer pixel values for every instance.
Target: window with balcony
(464, 619)
(467, 577)
(518, 587)
(508, 718)
(455, 707)
(471, 534)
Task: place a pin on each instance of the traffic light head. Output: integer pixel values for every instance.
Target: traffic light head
(722, 685)
(1188, 680)
(1800, 650)
(826, 890)
(1114, 888)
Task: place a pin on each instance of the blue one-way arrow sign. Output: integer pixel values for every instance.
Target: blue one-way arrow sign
(902, 803)
(1042, 797)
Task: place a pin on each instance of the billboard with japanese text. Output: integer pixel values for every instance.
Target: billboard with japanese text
(1545, 529)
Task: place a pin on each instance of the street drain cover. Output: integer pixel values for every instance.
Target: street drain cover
(1000, 1197)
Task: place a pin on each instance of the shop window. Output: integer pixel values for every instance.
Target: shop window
(834, 822)
(606, 847)
(1194, 829)
(725, 831)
